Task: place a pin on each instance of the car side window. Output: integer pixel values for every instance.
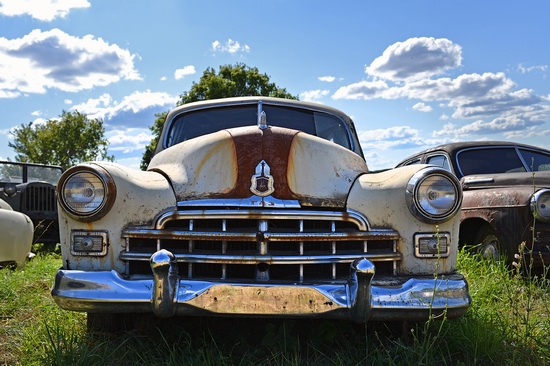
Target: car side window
(489, 161)
(535, 160)
(439, 160)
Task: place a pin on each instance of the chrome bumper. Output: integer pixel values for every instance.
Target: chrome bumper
(360, 299)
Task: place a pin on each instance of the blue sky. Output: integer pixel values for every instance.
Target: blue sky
(412, 74)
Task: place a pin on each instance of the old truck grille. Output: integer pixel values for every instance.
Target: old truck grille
(273, 246)
(39, 198)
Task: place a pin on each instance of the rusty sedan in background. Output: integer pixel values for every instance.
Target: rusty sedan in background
(506, 196)
(259, 207)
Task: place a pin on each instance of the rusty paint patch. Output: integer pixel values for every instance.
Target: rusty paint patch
(253, 145)
(263, 300)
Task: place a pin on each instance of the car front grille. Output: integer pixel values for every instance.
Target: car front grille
(39, 198)
(262, 245)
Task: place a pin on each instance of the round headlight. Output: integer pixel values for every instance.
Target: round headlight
(434, 195)
(86, 192)
(540, 205)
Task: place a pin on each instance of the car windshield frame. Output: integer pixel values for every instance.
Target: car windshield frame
(18, 173)
(325, 125)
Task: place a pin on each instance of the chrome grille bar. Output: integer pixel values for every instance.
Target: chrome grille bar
(263, 236)
(262, 245)
(269, 259)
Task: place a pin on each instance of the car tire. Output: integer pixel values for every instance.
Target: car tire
(488, 244)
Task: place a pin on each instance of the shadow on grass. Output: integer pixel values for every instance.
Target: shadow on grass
(223, 341)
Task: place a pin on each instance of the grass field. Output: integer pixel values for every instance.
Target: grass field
(508, 323)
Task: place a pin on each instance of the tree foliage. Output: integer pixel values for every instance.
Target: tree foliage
(236, 80)
(71, 139)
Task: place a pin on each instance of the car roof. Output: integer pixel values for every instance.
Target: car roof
(451, 148)
(254, 100)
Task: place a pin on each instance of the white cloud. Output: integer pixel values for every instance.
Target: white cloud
(327, 79)
(136, 109)
(362, 90)
(422, 107)
(392, 133)
(416, 59)
(527, 69)
(56, 60)
(129, 140)
(504, 124)
(44, 10)
(131, 162)
(313, 95)
(8, 94)
(409, 70)
(185, 71)
(230, 46)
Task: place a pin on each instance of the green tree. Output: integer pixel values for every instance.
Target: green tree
(236, 80)
(71, 139)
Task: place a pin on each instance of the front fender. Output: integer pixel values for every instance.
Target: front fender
(381, 197)
(140, 196)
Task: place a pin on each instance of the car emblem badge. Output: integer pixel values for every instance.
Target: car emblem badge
(262, 181)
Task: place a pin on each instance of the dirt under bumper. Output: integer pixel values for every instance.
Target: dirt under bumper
(361, 298)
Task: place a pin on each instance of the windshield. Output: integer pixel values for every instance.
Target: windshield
(11, 173)
(206, 121)
(23, 173)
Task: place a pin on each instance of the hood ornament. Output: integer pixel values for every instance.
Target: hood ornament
(262, 116)
(262, 181)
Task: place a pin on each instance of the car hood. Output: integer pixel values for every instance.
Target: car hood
(539, 179)
(246, 162)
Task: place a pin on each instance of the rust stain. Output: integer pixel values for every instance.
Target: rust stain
(254, 145)
(212, 153)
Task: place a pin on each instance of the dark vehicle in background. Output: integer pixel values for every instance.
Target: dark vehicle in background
(506, 195)
(30, 189)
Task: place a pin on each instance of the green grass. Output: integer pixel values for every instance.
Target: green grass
(508, 323)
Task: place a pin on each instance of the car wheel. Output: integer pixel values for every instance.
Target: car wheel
(487, 244)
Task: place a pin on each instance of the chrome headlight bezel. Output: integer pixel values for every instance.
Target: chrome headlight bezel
(540, 205)
(424, 207)
(100, 187)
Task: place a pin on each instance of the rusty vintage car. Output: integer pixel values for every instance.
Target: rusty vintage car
(259, 207)
(30, 188)
(506, 196)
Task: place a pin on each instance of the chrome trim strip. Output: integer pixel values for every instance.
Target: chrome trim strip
(253, 201)
(269, 259)
(361, 298)
(255, 236)
(477, 180)
(350, 215)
